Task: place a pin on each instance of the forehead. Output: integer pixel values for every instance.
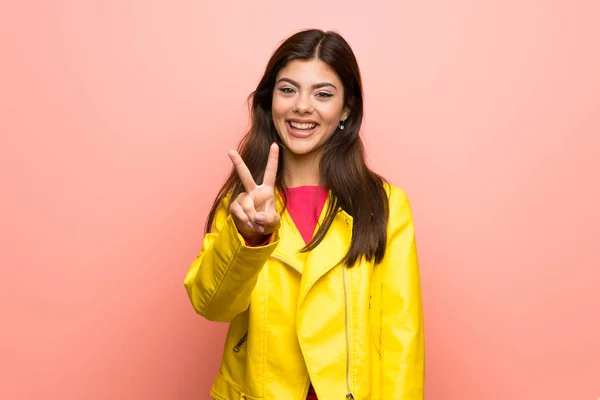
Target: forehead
(308, 72)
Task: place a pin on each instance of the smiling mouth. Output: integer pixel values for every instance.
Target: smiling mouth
(302, 127)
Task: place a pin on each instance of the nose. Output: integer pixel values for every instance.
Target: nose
(303, 104)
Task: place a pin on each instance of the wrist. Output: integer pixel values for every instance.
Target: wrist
(261, 240)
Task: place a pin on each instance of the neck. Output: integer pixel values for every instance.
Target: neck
(302, 170)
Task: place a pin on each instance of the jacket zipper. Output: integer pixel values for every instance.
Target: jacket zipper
(349, 395)
(241, 342)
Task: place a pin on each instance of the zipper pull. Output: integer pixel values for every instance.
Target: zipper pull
(240, 343)
(349, 396)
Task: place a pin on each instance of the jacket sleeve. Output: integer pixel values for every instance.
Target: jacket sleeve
(402, 335)
(220, 281)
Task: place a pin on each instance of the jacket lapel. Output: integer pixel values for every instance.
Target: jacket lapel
(290, 244)
(328, 253)
(316, 263)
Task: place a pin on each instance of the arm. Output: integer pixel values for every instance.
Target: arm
(220, 281)
(402, 335)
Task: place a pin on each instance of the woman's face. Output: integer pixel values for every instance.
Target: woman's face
(308, 104)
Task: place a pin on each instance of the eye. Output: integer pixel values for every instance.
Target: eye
(324, 95)
(287, 90)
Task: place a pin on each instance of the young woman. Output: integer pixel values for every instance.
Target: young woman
(315, 269)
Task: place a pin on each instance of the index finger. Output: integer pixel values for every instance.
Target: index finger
(243, 171)
(271, 169)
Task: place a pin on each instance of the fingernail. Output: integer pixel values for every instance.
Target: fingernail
(259, 218)
(250, 225)
(261, 229)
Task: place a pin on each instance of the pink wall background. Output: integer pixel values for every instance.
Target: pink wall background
(115, 121)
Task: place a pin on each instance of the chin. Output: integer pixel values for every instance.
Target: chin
(300, 149)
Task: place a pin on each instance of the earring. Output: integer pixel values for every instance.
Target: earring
(341, 125)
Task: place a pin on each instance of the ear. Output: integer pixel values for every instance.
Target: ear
(345, 114)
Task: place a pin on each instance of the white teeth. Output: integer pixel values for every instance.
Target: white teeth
(303, 126)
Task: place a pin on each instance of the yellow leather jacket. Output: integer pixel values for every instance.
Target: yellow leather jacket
(295, 318)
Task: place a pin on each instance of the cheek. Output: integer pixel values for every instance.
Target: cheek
(331, 111)
(279, 107)
(331, 114)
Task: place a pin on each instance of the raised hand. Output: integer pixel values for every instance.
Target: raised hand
(254, 211)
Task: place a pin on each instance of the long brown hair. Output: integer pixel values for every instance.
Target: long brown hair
(352, 186)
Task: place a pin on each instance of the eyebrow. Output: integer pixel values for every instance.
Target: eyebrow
(315, 86)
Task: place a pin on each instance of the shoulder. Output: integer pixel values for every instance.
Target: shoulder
(397, 196)
(400, 211)
(220, 212)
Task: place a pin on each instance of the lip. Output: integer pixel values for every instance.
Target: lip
(298, 134)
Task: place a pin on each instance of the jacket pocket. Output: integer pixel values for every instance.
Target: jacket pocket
(240, 342)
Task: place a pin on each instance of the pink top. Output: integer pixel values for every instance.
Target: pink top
(304, 204)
